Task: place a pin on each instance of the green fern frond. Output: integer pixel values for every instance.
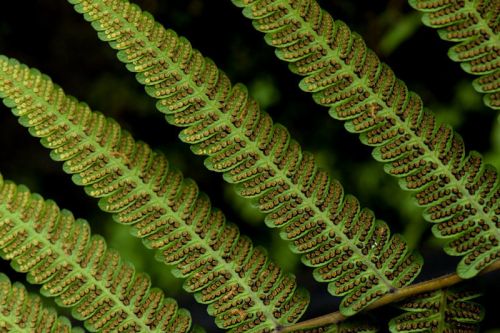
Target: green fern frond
(243, 288)
(354, 326)
(440, 311)
(460, 193)
(348, 247)
(24, 313)
(59, 252)
(475, 26)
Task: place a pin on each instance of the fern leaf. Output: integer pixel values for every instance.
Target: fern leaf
(459, 192)
(348, 247)
(243, 288)
(475, 26)
(441, 311)
(24, 313)
(59, 252)
(343, 327)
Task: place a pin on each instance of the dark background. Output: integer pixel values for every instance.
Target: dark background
(50, 36)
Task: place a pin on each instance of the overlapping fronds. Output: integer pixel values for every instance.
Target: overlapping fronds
(243, 288)
(475, 26)
(460, 193)
(441, 311)
(76, 267)
(24, 313)
(348, 247)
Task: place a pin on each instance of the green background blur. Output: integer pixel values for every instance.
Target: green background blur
(49, 35)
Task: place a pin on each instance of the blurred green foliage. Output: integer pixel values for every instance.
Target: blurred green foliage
(50, 36)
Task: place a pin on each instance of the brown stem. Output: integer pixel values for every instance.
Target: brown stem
(398, 295)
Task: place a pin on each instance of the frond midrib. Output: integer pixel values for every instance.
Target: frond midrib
(215, 105)
(442, 310)
(319, 39)
(62, 256)
(11, 321)
(114, 160)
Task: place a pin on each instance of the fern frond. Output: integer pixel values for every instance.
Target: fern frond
(355, 326)
(348, 247)
(475, 26)
(441, 311)
(24, 313)
(243, 288)
(460, 193)
(59, 252)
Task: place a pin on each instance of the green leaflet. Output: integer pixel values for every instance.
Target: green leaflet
(461, 194)
(441, 311)
(475, 26)
(348, 247)
(244, 290)
(59, 252)
(25, 313)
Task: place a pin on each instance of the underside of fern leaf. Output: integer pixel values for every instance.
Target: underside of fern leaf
(442, 311)
(348, 247)
(24, 313)
(59, 252)
(354, 326)
(475, 26)
(243, 288)
(460, 193)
